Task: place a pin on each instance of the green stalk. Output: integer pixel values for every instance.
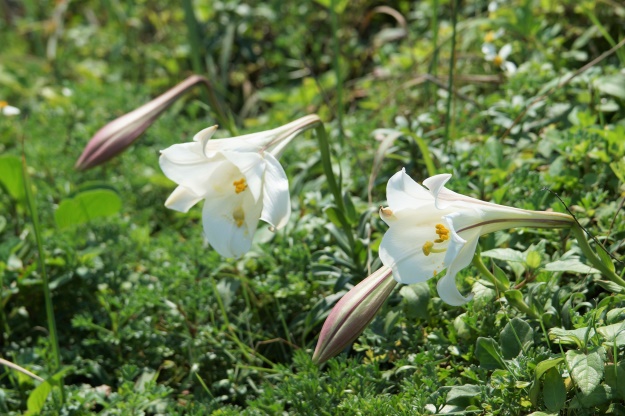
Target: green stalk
(481, 267)
(452, 64)
(208, 95)
(593, 258)
(425, 153)
(41, 261)
(434, 64)
(620, 53)
(337, 69)
(194, 38)
(333, 184)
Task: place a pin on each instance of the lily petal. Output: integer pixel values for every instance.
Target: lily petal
(401, 248)
(182, 199)
(252, 166)
(186, 165)
(222, 232)
(204, 135)
(448, 291)
(443, 197)
(276, 201)
(402, 192)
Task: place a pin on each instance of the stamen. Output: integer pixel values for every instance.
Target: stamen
(386, 211)
(490, 37)
(239, 217)
(240, 185)
(498, 60)
(3, 104)
(427, 247)
(442, 232)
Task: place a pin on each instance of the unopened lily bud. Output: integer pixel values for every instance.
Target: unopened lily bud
(116, 136)
(352, 314)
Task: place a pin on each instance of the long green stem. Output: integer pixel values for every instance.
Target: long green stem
(481, 267)
(196, 63)
(336, 62)
(452, 64)
(425, 154)
(333, 184)
(434, 65)
(54, 340)
(593, 258)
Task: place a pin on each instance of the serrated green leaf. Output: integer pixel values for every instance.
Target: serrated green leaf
(586, 369)
(87, 206)
(515, 337)
(488, 353)
(554, 391)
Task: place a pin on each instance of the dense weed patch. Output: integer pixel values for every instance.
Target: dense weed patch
(152, 320)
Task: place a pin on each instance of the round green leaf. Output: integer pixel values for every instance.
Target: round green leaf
(87, 206)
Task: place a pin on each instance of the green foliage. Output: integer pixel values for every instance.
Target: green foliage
(152, 321)
(11, 177)
(86, 206)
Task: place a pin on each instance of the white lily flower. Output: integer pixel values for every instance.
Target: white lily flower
(499, 58)
(435, 229)
(240, 180)
(8, 110)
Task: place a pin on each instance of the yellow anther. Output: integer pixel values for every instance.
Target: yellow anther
(3, 104)
(490, 37)
(498, 60)
(427, 247)
(386, 211)
(240, 185)
(442, 232)
(239, 217)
